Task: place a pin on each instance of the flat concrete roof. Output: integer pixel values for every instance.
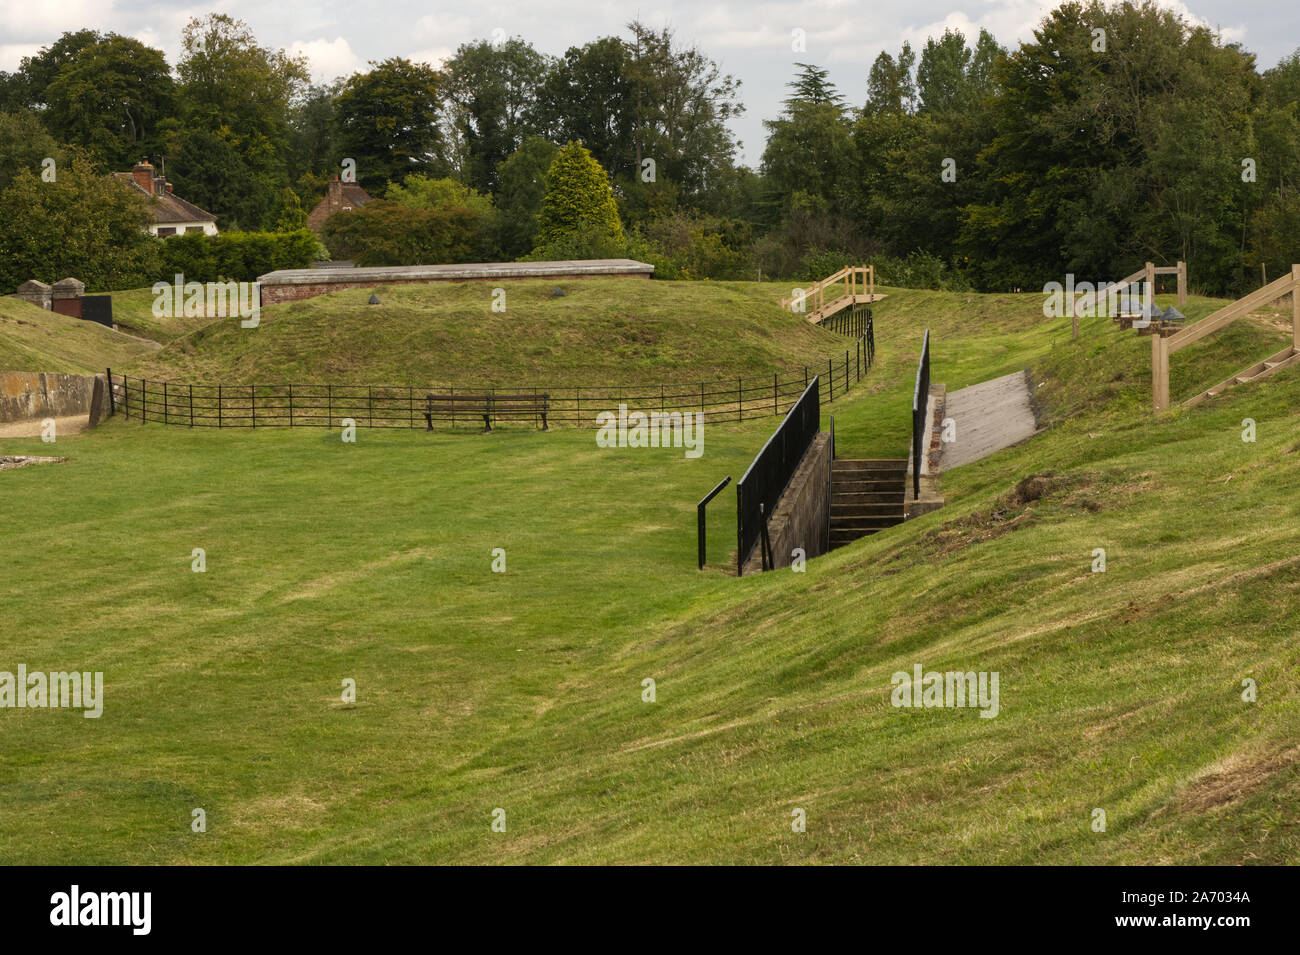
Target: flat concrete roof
(450, 273)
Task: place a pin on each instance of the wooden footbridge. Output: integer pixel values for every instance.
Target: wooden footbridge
(851, 285)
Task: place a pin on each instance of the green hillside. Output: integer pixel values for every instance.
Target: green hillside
(326, 561)
(33, 339)
(602, 331)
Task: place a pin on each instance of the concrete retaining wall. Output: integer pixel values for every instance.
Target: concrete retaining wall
(802, 515)
(29, 394)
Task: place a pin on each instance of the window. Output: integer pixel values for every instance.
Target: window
(165, 231)
(193, 228)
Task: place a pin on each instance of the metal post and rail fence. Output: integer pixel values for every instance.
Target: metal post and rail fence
(758, 491)
(398, 406)
(920, 400)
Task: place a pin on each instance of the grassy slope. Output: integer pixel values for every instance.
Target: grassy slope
(133, 313)
(32, 339)
(523, 691)
(611, 331)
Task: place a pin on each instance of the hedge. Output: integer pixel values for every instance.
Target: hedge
(236, 256)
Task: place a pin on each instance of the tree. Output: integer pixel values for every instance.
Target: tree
(889, 84)
(941, 75)
(523, 179)
(588, 98)
(111, 98)
(312, 123)
(84, 224)
(24, 143)
(578, 200)
(35, 73)
(388, 122)
(491, 94)
(813, 85)
(809, 147)
(230, 150)
(682, 104)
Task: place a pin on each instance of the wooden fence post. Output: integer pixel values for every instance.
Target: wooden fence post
(191, 406)
(219, 396)
(1151, 280)
(252, 404)
(1182, 282)
(1295, 306)
(1159, 372)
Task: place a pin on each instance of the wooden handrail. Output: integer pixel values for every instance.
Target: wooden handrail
(1229, 313)
(1162, 348)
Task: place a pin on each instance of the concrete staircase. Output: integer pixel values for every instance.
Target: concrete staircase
(866, 496)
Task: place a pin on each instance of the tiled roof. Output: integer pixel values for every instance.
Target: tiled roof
(170, 207)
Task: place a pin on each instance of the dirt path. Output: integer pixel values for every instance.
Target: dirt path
(31, 428)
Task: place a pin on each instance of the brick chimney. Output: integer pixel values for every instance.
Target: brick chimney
(335, 194)
(142, 173)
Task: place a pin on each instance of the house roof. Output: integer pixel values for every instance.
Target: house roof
(349, 194)
(170, 207)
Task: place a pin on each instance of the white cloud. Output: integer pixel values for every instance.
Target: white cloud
(434, 56)
(328, 59)
(11, 54)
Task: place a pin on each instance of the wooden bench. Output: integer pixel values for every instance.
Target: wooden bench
(514, 407)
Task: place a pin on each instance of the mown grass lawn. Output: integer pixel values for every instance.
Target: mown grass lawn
(523, 691)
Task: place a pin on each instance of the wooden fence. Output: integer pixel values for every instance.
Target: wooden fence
(1162, 348)
(398, 406)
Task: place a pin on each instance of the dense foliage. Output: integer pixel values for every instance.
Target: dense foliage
(1119, 133)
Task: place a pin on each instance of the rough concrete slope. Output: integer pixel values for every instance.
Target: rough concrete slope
(989, 416)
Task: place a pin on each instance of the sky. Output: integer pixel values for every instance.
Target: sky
(751, 39)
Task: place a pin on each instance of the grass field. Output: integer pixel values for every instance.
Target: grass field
(523, 691)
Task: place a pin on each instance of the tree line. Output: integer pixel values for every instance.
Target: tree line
(1117, 134)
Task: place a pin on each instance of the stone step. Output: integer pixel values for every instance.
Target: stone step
(858, 463)
(846, 524)
(840, 537)
(849, 511)
(893, 495)
(884, 482)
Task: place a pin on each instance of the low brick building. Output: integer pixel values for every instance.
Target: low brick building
(341, 197)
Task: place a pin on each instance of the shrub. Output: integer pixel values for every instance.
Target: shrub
(237, 256)
(578, 201)
(383, 232)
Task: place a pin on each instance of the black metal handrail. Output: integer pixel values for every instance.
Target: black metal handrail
(920, 400)
(699, 513)
(773, 467)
